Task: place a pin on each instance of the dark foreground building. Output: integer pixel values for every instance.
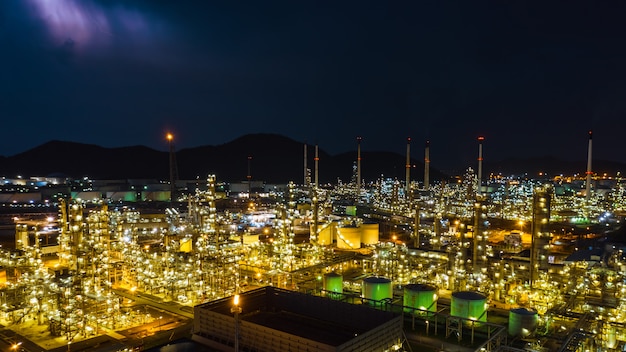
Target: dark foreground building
(274, 319)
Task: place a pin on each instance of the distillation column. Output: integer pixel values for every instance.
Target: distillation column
(588, 181)
(540, 241)
(316, 206)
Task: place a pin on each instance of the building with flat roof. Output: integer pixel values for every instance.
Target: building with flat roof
(273, 319)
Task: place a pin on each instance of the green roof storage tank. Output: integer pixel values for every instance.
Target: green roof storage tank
(522, 322)
(469, 305)
(333, 284)
(376, 288)
(420, 298)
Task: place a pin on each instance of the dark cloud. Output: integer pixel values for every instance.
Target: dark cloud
(531, 77)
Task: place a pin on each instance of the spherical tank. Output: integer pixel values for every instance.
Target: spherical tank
(333, 284)
(348, 237)
(469, 305)
(369, 233)
(420, 298)
(522, 322)
(377, 288)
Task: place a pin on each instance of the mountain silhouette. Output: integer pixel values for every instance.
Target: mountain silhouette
(273, 158)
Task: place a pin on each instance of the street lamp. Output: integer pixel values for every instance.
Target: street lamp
(236, 310)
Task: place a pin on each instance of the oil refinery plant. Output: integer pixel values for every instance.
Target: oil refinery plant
(479, 263)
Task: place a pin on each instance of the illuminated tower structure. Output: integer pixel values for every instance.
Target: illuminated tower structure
(479, 238)
(96, 245)
(284, 247)
(173, 167)
(307, 171)
(305, 180)
(469, 186)
(209, 221)
(394, 200)
(416, 227)
(480, 166)
(317, 160)
(291, 217)
(540, 241)
(72, 229)
(407, 186)
(589, 172)
(358, 166)
(427, 166)
(315, 200)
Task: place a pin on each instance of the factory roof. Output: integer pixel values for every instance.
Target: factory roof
(316, 318)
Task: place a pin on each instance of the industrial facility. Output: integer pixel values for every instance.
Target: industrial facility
(484, 263)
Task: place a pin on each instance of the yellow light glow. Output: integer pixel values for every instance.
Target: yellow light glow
(236, 300)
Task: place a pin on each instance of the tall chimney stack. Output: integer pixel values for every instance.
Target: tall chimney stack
(317, 159)
(480, 166)
(358, 165)
(588, 183)
(427, 166)
(408, 166)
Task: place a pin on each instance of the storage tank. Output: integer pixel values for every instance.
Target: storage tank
(369, 233)
(469, 305)
(326, 232)
(522, 322)
(348, 237)
(419, 298)
(376, 288)
(333, 284)
(611, 341)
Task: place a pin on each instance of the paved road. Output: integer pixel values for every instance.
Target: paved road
(156, 302)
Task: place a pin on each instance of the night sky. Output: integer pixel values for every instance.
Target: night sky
(532, 77)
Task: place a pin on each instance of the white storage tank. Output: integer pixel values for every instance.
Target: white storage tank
(420, 298)
(522, 322)
(369, 233)
(326, 233)
(376, 288)
(348, 237)
(469, 305)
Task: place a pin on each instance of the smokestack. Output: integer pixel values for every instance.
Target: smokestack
(358, 164)
(408, 165)
(317, 159)
(173, 167)
(249, 177)
(588, 183)
(306, 173)
(480, 165)
(427, 166)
